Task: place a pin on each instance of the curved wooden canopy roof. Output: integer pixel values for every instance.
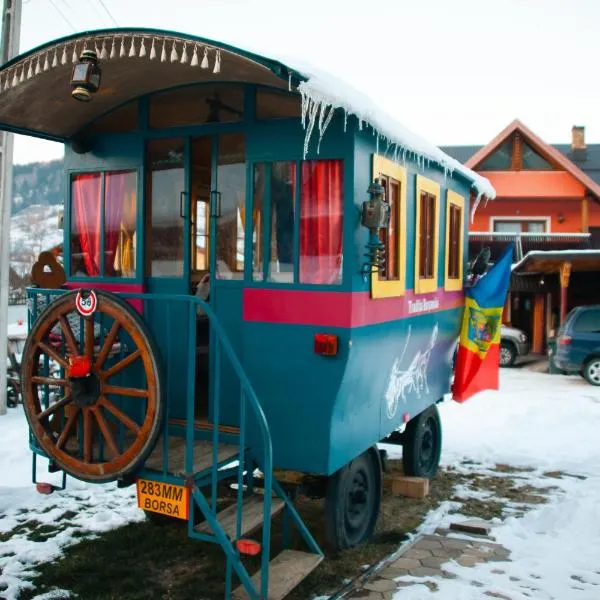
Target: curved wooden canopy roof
(35, 93)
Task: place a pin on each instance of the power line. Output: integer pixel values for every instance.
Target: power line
(108, 13)
(60, 12)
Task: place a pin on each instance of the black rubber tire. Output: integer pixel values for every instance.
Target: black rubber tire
(350, 519)
(591, 371)
(507, 350)
(422, 444)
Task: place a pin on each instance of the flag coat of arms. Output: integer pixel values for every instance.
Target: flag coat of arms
(478, 360)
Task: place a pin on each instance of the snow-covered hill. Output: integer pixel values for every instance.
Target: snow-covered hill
(32, 230)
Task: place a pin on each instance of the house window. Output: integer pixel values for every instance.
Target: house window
(519, 226)
(426, 250)
(392, 282)
(500, 160)
(454, 241)
(298, 239)
(103, 224)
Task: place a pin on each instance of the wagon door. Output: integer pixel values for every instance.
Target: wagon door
(167, 258)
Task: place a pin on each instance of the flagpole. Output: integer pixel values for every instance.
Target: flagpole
(11, 32)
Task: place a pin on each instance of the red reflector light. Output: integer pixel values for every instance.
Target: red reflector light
(44, 488)
(79, 366)
(326, 344)
(406, 417)
(248, 547)
(564, 340)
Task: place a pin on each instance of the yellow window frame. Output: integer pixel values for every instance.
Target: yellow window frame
(382, 288)
(428, 285)
(454, 284)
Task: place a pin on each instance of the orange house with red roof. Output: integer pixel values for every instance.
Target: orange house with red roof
(548, 202)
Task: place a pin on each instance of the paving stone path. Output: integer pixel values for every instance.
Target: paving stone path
(426, 558)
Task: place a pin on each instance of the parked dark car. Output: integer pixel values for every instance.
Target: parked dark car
(578, 346)
(513, 343)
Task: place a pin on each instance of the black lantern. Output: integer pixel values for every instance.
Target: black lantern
(85, 79)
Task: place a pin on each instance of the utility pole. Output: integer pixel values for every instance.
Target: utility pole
(9, 47)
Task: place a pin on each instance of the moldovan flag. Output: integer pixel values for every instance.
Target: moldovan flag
(478, 362)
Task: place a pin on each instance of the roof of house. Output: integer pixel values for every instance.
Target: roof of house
(587, 160)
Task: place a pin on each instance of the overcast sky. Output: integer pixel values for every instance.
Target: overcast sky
(453, 71)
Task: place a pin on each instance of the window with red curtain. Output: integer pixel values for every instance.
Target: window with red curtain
(86, 203)
(112, 194)
(321, 221)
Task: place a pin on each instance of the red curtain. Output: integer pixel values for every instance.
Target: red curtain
(321, 218)
(86, 200)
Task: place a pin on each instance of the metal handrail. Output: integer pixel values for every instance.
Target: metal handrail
(247, 393)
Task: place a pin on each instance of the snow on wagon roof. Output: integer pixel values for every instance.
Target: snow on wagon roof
(322, 92)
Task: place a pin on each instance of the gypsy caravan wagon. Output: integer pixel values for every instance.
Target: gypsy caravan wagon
(263, 279)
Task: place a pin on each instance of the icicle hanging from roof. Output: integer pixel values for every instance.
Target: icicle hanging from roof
(217, 68)
(174, 55)
(132, 50)
(142, 49)
(205, 64)
(163, 54)
(153, 50)
(184, 55)
(46, 62)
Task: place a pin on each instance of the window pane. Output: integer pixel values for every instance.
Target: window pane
(197, 105)
(507, 226)
(258, 233)
(321, 220)
(588, 322)
(164, 238)
(201, 153)
(536, 226)
(389, 236)
(455, 233)
(120, 194)
(427, 232)
(500, 160)
(231, 182)
(86, 206)
(532, 160)
(283, 202)
(277, 105)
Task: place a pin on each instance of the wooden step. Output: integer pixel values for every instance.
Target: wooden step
(252, 516)
(286, 571)
(203, 455)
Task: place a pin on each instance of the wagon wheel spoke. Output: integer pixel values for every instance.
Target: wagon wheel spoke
(52, 381)
(119, 414)
(125, 391)
(88, 334)
(67, 428)
(122, 364)
(108, 344)
(48, 350)
(106, 433)
(72, 344)
(88, 435)
(54, 407)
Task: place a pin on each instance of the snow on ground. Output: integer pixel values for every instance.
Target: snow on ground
(81, 508)
(549, 423)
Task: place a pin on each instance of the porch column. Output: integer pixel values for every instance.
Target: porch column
(585, 218)
(565, 273)
(537, 342)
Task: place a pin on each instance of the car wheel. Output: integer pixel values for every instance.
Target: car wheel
(422, 444)
(591, 372)
(507, 354)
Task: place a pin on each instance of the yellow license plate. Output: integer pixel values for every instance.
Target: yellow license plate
(164, 498)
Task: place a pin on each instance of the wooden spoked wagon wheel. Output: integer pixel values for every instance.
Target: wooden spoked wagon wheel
(106, 417)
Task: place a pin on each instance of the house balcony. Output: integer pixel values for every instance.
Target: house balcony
(526, 242)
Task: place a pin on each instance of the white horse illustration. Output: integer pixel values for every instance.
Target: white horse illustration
(413, 379)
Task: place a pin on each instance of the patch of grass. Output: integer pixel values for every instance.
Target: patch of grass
(33, 530)
(501, 468)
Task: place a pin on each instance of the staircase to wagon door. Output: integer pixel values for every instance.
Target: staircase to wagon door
(201, 458)
(209, 456)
